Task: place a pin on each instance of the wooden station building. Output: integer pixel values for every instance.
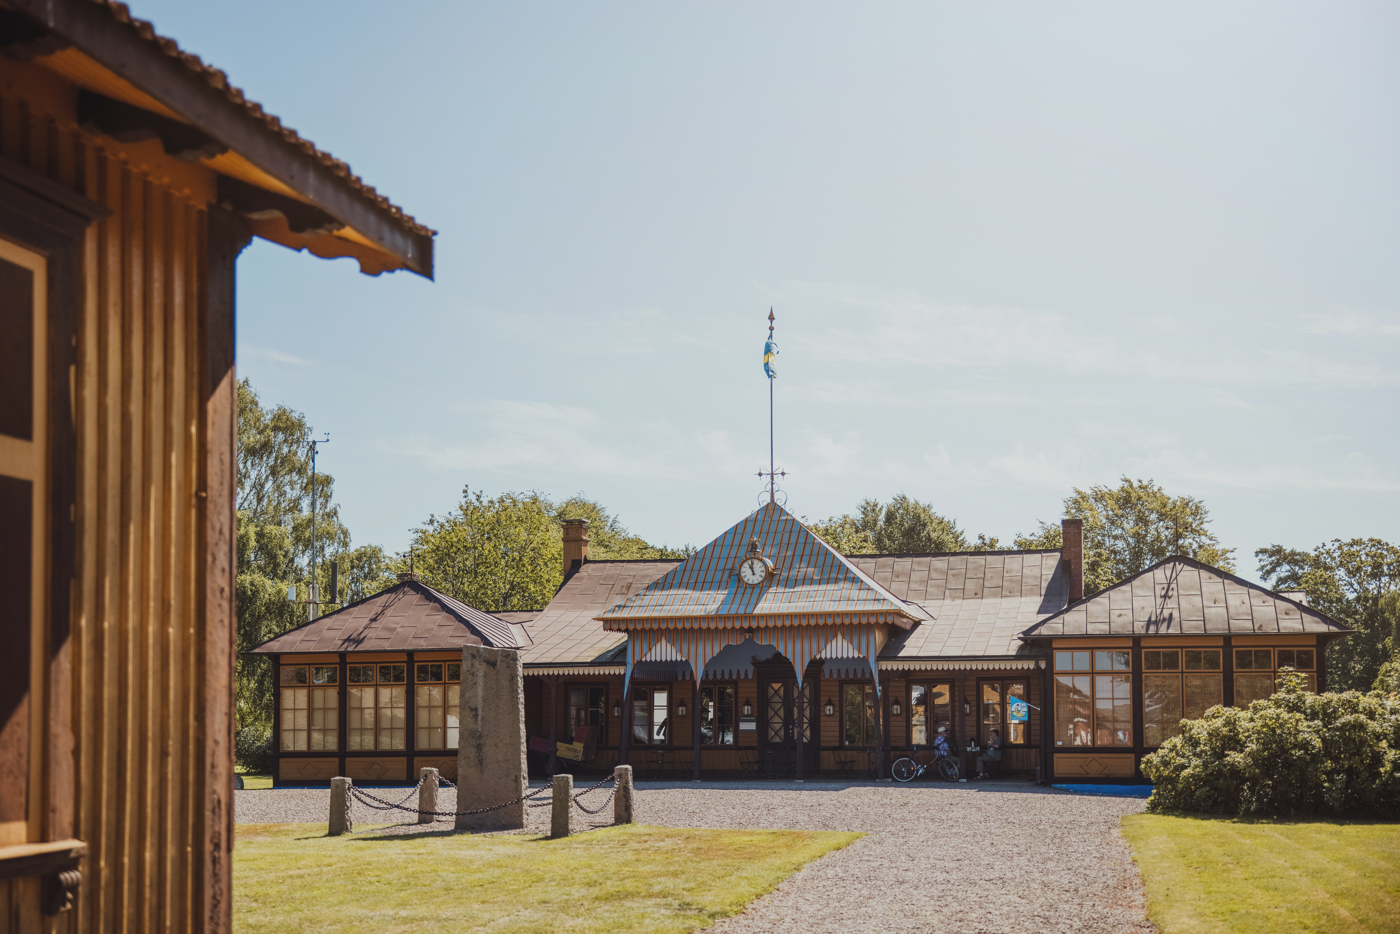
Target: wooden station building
(812, 662)
(132, 174)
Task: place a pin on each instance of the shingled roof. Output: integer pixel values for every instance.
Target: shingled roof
(408, 617)
(566, 632)
(1183, 596)
(811, 582)
(979, 602)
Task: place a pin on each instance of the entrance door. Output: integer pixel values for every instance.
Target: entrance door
(783, 716)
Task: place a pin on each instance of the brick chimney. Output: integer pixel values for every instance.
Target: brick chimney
(1072, 552)
(575, 545)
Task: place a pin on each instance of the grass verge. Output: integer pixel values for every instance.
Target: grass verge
(291, 877)
(252, 781)
(1210, 875)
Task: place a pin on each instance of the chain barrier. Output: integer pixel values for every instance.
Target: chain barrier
(360, 795)
(598, 810)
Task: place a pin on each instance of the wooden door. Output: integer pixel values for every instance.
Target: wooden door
(786, 709)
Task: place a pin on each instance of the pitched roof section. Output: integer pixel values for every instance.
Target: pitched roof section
(1182, 596)
(980, 602)
(408, 617)
(565, 632)
(810, 578)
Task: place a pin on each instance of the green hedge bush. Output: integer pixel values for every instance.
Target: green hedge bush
(1295, 754)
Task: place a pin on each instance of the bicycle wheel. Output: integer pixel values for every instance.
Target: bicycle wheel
(948, 769)
(903, 770)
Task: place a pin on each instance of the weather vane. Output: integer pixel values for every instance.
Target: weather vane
(770, 351)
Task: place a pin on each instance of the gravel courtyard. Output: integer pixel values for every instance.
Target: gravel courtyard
(1001, 857)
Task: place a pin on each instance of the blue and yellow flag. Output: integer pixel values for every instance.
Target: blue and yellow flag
(770, 350)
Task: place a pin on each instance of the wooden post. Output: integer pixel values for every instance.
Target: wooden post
(695, 725)
(427, 795)
(801, 711)
(879, 727)
(562, 806)
(340, 822)
(625, 741)
(553, 723)
(1047, 712)
(622, 798)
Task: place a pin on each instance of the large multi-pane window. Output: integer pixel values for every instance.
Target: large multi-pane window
(995, 711)
(858, 715)
(377, 706)
(1256, 671)
(588, 707)
(437, 695)
(310, 708)
(717, 715)
(651, 723)
(1093, 697)
(930, 706)
(1177, 684)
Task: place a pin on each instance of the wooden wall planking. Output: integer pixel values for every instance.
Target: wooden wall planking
(147, 677)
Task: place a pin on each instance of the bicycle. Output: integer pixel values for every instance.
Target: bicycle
(906, 769)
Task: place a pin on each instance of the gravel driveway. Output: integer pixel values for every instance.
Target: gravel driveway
(965, 858)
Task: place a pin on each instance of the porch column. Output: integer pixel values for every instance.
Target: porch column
(625, 743)
(801, 715)
(553, 722)
(879, 727)
(695, 722)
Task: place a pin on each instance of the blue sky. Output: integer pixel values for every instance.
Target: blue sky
(1012, 248)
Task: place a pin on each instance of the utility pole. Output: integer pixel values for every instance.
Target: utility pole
(313, 594)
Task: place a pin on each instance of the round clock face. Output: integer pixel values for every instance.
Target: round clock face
(753, 571)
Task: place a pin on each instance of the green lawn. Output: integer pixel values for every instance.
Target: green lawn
(291, 877)
(1206, 875)
(255, 780)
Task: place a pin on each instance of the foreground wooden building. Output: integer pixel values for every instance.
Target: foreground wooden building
(131, 176)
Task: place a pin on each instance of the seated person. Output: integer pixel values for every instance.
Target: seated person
(940, 742)
(992, 756)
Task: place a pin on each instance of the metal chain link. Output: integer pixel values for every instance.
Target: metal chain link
(358, 794)
(600, 807)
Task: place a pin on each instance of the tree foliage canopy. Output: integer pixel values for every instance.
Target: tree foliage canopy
(1130, 527)
(505, 552)
(1355, 582)
(902, 526)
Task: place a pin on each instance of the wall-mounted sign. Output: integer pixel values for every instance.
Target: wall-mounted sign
(1017, 710)
(748, 723)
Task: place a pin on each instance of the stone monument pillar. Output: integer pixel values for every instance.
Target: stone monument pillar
(491, 749)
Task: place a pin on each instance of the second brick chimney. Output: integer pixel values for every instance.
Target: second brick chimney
(1072, 530)
(575, 545)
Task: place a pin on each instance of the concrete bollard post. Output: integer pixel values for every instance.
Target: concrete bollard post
(427, 795)
(562, 809)
(340, 807)
(622, 798)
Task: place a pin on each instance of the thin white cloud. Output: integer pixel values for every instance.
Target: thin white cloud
(1352, 323)
(272, 355)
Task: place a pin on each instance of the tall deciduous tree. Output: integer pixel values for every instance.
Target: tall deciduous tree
(903, 526)
(505, 553)
(274, 544)
(1355, 582)
(1132, 526)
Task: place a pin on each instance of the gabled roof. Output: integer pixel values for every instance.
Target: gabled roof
(408, 617)
(566, 632)
(980, 601)
(811, 580)
(1183, 596)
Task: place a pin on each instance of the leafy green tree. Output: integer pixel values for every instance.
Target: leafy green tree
(505, 552)
(274, 546)
(1354, 582)
(1130, 527)
(903, 526)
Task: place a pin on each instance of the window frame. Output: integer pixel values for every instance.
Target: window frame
(587, 686)
(650, 709)
(1093, 673)
(931, 727)
(869, 731)
(1005, 724)
(1180, 673)
(316, 739)
(448, 707)
(1236, 672)
(713, 689)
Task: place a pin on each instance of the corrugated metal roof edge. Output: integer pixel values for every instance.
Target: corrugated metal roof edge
(953, 554)
(1028, 634)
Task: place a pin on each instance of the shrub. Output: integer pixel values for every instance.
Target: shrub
(1297, 753)
(252, 747)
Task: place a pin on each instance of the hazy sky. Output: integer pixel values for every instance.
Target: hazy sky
(1012, 248)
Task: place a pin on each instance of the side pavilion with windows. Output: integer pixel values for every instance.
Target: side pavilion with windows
(372, 690)
(1130, 662)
